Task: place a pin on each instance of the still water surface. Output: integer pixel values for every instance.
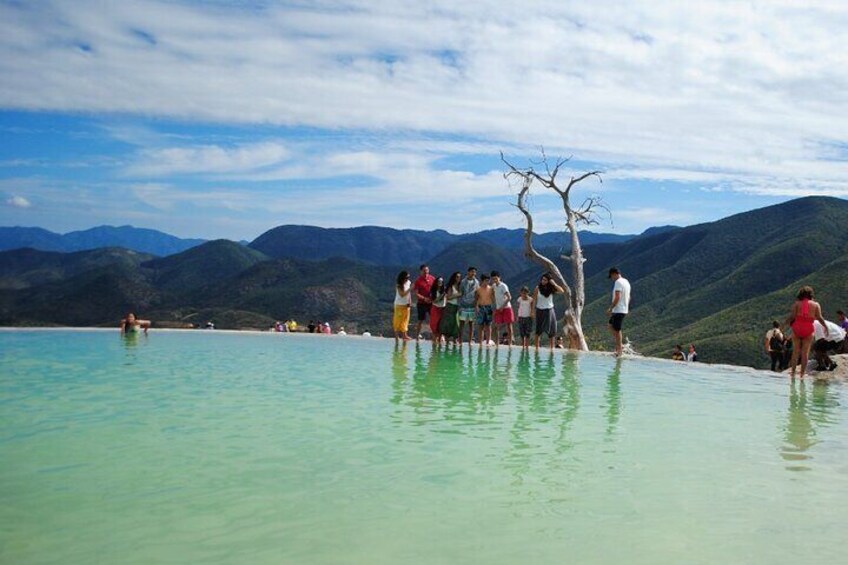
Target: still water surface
(232, 448)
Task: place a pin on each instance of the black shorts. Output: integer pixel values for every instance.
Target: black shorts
(423, 310)
(616, 321)
(823, 345)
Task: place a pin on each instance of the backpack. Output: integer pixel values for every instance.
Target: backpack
(776, 343)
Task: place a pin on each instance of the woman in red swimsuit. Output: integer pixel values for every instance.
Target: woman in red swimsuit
(804, 312)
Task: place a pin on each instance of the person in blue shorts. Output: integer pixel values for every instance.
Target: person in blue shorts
(485, 305)
(468, 303)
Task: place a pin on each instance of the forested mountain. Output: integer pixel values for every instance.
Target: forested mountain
(716, 284)
(387, 246)
(720, 284)
(137, 239)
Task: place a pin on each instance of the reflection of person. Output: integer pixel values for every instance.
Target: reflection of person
(613, 397)
(620, 306)
(403, 304)
(131, 324)
(774, 345)
(804, 312)
(799, 428)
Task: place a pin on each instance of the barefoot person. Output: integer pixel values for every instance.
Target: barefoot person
(543, 300)
(449, 324)
(423, 285)
(525, 317)
(619, 308)
(484, 309)
(804, 312)
(403, 305)
(438, 298)
(131, 324)
(504, 316)
(468, 303)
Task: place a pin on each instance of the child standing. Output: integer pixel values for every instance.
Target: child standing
(525, 316)
(485, 309)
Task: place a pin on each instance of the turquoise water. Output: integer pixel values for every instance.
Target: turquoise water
(232, 448)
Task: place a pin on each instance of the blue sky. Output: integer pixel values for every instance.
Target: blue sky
(224, 119)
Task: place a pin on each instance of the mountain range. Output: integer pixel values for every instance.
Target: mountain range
(367, 244)
(718, 284)
(137, 239)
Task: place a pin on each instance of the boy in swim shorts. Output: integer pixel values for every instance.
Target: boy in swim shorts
(484, 305)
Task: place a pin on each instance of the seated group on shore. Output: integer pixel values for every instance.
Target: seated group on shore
(806, 329)
(459, 302)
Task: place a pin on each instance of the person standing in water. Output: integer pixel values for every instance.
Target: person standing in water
(619, 308)
(804, 312)
(131, 324)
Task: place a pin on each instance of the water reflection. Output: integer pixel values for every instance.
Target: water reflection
(811, 406)
(131, 342)
(613, 398)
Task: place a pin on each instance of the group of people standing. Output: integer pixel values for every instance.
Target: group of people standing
(806, 330)
(459, 302)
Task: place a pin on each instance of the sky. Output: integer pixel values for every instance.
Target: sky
(224, 119)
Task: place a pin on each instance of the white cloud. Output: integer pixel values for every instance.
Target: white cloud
(743, 97)
(18, 202)
(207, 159)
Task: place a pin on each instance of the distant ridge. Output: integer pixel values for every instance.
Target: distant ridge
(138, 239)
(387, 246)
(368, 244)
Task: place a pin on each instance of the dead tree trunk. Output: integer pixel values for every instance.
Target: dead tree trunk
(586, 213)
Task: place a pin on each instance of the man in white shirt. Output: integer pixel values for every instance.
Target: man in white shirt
(619, 308)
(504, 316)
(833, 341)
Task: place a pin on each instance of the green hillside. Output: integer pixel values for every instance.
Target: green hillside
(481, 254)
(718, 284)
(23, 268)
(689, 285)
(201, 266)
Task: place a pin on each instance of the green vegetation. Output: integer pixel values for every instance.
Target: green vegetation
(718, 285)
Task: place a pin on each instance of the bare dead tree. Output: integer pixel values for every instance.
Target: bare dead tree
(586, 213)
